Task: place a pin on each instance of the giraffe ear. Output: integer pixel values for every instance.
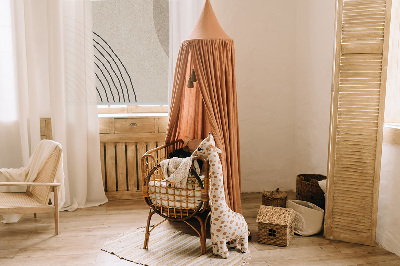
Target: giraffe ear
(216, 149)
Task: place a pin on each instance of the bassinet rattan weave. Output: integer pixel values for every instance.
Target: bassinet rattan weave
(175, 203)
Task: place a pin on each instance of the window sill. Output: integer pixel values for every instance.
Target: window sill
(127, 115)
(131, 109)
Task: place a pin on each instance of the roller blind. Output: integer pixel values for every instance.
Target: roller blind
(358, 97)
(131, 47)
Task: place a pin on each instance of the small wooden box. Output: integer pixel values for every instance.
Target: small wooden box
(275, 225)
(274, 198)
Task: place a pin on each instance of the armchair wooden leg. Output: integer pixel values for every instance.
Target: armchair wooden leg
(56, 212)
(34, 215)
(147, 235)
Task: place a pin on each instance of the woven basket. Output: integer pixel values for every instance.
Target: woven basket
(308, 189)
(274, 198)
(277, 235)
(275, 225)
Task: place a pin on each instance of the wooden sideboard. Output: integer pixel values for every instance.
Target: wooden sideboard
(123, 141)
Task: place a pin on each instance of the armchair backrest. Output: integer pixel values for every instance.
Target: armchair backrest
(46, 175)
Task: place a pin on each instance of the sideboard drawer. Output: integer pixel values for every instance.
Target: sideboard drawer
(134, 125)
(106, 125)
(162, 124)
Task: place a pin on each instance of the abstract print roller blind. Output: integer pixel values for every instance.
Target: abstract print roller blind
(358, 95)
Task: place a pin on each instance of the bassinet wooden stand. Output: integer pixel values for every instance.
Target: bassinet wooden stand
(174, 204)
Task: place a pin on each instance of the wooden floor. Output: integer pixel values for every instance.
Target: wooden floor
(82, 233)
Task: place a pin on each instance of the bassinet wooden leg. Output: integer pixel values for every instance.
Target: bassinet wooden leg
(203, 236)
(147, 235)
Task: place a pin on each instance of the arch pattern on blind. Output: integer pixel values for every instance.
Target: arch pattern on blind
(358, 97)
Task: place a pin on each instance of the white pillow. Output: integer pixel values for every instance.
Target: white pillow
(322, 184)
(309, 217)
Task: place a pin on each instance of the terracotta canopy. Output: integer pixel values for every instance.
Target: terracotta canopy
(211, 105)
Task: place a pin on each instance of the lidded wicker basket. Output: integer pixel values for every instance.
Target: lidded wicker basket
(274, 198)
(308, 189)
(275, 225)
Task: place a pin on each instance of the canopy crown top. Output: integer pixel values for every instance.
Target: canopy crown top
(207, 26)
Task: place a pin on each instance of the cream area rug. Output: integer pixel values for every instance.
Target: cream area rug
(168, 247)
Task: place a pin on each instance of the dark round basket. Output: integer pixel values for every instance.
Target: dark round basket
(308, 189)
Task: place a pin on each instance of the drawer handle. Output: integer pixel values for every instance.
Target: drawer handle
(133, 124)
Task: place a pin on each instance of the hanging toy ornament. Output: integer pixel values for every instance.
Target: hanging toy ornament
(190, 83)
(193, 76)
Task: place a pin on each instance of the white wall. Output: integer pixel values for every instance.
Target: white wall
(284, 56)
(264, 35)
(388, 227)
(314, 60)
(284, 52)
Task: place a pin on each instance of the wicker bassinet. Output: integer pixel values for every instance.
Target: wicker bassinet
(175, 203)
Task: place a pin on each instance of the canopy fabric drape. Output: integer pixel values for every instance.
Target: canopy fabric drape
(211, 106)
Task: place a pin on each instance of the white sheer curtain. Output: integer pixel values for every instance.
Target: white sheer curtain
(54, 77)
(183, 15)
(10, 144)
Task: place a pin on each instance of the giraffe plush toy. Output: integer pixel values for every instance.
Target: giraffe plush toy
(226, 225)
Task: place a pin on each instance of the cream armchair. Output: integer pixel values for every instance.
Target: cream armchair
(36, 197)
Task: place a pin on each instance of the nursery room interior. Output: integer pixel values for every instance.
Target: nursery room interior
(199, 132)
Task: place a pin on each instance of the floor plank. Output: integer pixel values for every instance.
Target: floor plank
(82, 233)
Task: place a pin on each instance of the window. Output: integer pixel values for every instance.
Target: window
(8, 97)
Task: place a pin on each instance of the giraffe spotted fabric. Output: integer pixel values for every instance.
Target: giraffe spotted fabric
(226, 225)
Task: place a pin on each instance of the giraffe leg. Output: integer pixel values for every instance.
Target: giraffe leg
(243, 243)
(215, 248)
(233, 243)
(222, 249)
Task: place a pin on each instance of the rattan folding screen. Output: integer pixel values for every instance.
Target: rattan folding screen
(358, 96)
